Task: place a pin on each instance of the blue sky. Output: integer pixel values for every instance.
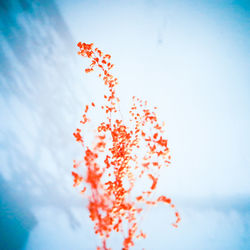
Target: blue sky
(189, 58)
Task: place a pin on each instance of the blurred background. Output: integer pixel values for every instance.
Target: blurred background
(188, 58)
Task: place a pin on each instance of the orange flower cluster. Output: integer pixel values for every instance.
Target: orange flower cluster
(121, 170)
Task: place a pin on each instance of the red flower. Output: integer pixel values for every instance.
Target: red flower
(113, 165)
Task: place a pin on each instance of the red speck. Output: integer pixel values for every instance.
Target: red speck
(86, 109)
